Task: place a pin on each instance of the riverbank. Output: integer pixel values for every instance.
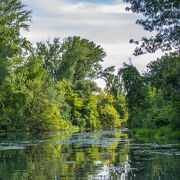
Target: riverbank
(162, 132)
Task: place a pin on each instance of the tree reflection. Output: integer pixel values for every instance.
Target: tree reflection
(56, 156)
(90, 155)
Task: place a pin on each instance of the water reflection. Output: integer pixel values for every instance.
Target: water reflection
(86, 155)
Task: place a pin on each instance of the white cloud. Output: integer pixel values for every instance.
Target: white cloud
(112, 9)
(67, 7)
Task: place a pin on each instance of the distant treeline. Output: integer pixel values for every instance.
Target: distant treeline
(49, 86)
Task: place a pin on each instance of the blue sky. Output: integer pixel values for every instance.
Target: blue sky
(103, 21)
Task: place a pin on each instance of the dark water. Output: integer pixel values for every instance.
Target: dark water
(87, 155)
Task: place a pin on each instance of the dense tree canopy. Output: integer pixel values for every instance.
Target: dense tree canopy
(51, 54)
(162, 16)
(132, 84)
(112, 81)
(47, 87)
(153, 97)
(50, 86)
(13, 18)
(81, 58)
(73, 59)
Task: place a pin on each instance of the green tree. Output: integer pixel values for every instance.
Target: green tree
(43, 112)
(161, 16)
(63, 88)
(13, 18)
(80, 59)
(164, 74)
(108, 115)
(121, 107)
(74, 59)
(76, 104)
(90, 112)
(112, 81)
(132, 83)
(114, 86)
(51, 54)
(73, 103)
(85, 88)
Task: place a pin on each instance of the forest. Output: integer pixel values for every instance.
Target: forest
(50, 85)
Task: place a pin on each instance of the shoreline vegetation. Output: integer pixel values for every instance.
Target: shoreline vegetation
(163, 132)
(50, 85)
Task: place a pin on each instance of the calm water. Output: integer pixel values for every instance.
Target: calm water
(87, 155)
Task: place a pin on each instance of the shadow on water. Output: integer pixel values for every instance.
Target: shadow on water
(87, 155)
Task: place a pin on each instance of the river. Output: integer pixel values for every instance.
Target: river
(110, 154)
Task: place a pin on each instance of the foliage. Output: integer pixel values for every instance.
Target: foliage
(90, 112)
(156, 103)
(80, 59)
(162, 132)
(13, 100)
(13, 18)
(62, 88)
(164, 74)
(120, 105)
(109, 117)
(132, 83)
(112, 81)
(45, 88)
(153, 98)
(42, 112)
(85, 88)
(160, 70)
(76, 104)
(114, 87)
(50, 87)
(51, 54)
(12, 106)
(161, 16)
(73, 59)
